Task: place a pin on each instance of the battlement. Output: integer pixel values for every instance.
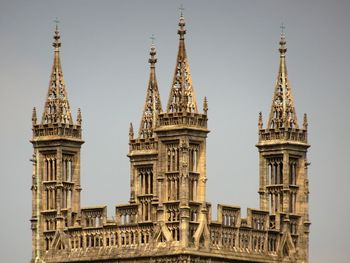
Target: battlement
(143, 144)
(59, 130)
(168, 218)
(285, 134)
(260, 234)
(230, 216)
(180, 120)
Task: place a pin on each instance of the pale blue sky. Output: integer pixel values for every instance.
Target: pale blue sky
(232, 49)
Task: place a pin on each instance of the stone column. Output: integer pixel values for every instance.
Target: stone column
(184, 193)
(201, 164)
(262, 183)
(149, 182)
(286, 190)
(133, 182)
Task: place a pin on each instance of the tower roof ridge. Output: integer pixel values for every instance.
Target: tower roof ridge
(282, 114)
(182, 96)
(153, 104)
(57, 109)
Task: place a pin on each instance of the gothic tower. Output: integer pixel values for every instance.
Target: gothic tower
(168, 157)
(143, 154)
(56, 165)
(167, 218)
(182, 132)
(283, 165)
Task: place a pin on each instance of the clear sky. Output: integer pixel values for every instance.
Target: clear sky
(232, 49)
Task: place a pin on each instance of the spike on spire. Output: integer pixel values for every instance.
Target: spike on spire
(57, 109)
(57, 38)
(282, 114)
(283, 47)
(260, 122)
(305, 122)
(182, 96)
(131, 132)
(34, 118)
(205, 105)
(153, 105)
(152, 60)
(182, 31)
(79, 117)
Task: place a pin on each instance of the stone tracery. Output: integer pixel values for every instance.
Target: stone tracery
(168, 210)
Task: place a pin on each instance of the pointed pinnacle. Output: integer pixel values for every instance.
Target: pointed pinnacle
(34, 118)
(182, 96)
(305, 122)
(79, 117)
(205, 105)
(131, 132)
(260, 122)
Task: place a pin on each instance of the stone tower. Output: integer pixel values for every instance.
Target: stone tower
(167, 218)
(56, 165)
(182, 133)
(168, 156)
(283, 165)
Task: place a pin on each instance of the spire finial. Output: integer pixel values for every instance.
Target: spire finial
(131, 132)
(34, 118)
(57, 43)
(56, 22)
(283, 47)
(181, 8)
(152, 60)
(153, 38)
(260, 122)
(182, 30)
(205, 105)
(282, 28)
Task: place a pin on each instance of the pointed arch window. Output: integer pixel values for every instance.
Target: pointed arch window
(145, 179)
(173, 154)
(293, 164)
(274, 170)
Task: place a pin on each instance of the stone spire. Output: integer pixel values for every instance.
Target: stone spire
(57, 108)
(153, 105)
(182, 97)
(282, 113)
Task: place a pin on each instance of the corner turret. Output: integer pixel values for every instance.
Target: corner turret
(283, 165)
(56, 165)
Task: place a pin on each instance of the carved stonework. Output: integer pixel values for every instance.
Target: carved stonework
(153, 104)
(282, 113)
(168, 218)
(182, 97)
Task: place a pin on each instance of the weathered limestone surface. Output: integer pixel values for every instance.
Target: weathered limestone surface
(168, 218)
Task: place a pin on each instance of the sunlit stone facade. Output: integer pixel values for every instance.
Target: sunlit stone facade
(168, 218)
